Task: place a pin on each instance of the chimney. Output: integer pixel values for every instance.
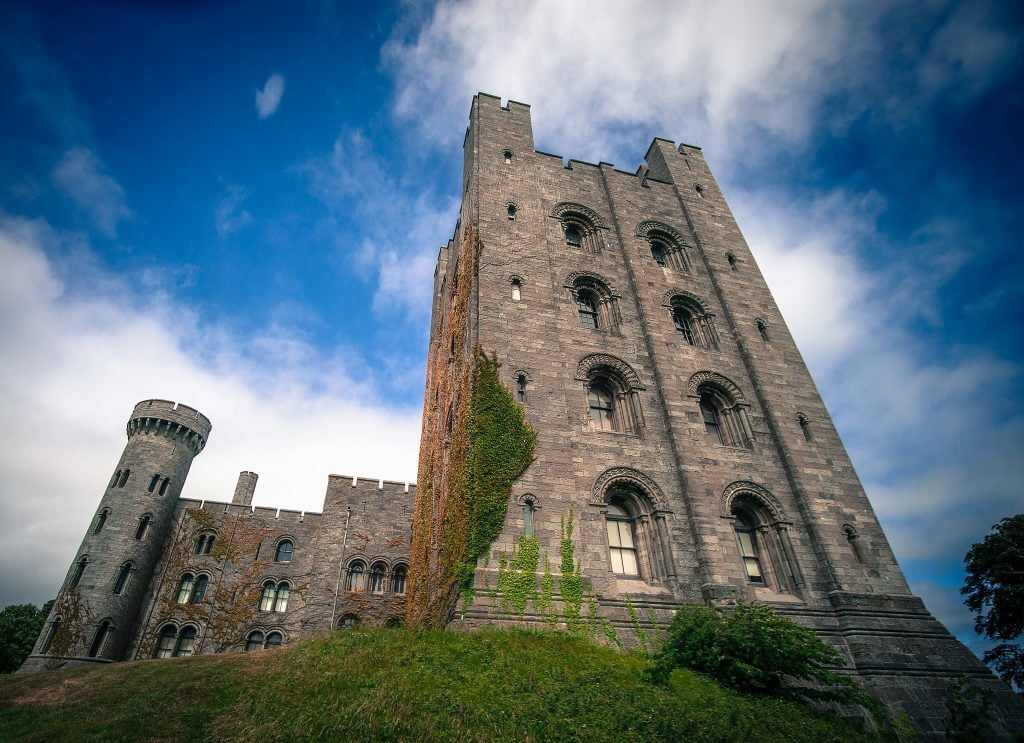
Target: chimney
(245, 488)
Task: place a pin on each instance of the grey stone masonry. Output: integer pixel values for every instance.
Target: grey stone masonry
(677, 422)
(164, 575)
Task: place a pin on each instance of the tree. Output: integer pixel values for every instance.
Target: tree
(994, 588)
(20, 625)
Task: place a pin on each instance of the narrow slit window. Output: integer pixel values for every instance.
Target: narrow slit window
(163, 485)
(398, 576)
(76, 577)
(101, 519)
(517, 290)
(732, 261)
(268, 595)
(712, 421)
(521, 388)
(746, 536)
(101, 636)
(658, 253)
(114, 479)
(185, 588)
(199, 592)
(122, 578)
(153, 482)
(762, 329)
(143, 527)
(684, 325)
(124, 478)
(805, 427)
(51, 633)
(511, 211)
(508, 157)
(528, 518)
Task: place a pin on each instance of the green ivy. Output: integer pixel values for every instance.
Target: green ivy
(544, 603)
(501, 446)
(634, 617)
(517, 581)
(571, 585)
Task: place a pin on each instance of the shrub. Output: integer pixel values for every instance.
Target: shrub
(752, 649)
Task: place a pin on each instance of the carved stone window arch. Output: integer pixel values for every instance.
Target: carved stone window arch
(636, 530)
(667, 246)
(596, 302)
(763, 542)
(581, 226)
(607, 379)
(722, 408)
(693, 322)
(529, 505)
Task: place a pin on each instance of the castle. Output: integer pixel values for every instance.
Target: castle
(681, 448)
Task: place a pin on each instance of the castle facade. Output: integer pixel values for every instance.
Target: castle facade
(679, 437)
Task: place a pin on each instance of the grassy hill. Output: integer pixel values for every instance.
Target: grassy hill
(391, 685)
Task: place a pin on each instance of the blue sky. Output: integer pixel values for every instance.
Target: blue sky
(239, 206)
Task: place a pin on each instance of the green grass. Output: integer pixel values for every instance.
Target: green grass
(396, 685)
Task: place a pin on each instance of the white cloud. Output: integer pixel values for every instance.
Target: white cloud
(401, 227)
(79, 175)
(230, 217)
(81, 347)
(268, 99)
(738, 78)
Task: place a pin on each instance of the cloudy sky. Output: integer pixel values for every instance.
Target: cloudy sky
(238, 206)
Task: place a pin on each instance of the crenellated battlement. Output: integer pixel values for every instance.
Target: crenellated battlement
(167, 418)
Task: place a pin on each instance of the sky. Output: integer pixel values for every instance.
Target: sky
(238, 206)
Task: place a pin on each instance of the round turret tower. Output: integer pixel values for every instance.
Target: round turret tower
(95, 615)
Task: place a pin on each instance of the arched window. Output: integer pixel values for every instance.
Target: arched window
(581, 226)
(163, 485)
(508, 157)
(165, 642)
(76, 577)
(511, 211)
(762, 540)
(635, 530)
(586, 303)
(750, 552)
(622, 541)
(517, 290)
(666, 243)
(348, 621)
(284, 590)
(143, 527)
(732, 261)
(521, 388)
(693, 323)
(612, 394)
(393, 622)
(398, 576)
(724, 417)
(377, 581)
(204, 543)
(601, 401)
(268, 596)
(284, 551)
(254, 641)
(356, 579)
(199, 592)
(274, 640)
(684, 325)
(114, 479)
(122, 578)
(51, 633)
(186, 642)
(101, 520)
(153, 481)
(124, 478)
(99, 638)
(528, 508)
(185, 588)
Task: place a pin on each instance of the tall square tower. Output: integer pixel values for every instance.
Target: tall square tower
(679, 434)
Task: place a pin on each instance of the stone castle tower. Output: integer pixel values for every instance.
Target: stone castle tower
(677, 424)
(681, 451)
(114, 566)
